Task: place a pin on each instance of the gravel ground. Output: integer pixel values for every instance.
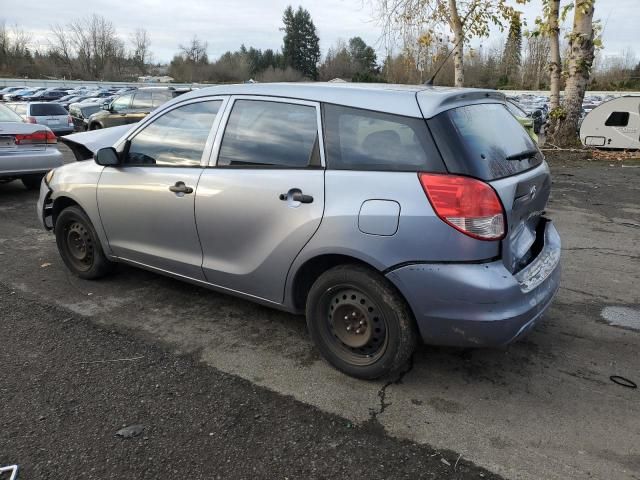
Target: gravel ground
(68, 386)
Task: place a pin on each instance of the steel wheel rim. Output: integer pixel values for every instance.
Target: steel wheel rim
(79, 246)
(362, 337)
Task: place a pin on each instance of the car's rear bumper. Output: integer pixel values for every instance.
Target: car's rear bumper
(19, 163)
(480, 304)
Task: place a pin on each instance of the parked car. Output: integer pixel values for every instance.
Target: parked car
(50, 114)
(27, 151)
(17, 95)
(44, 96)
(525, 120)
(80, 113)
(131, 107)
(73, 99)
(385, 214)
(8, 90)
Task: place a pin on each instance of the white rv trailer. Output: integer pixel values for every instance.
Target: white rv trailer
(613, 124)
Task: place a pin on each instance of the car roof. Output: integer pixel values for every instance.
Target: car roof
(383, 97)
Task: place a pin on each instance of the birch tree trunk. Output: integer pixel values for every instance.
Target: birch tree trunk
(555, 65)
(582, 52)
(458, 53)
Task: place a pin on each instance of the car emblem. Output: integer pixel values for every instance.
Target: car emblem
(532, 192)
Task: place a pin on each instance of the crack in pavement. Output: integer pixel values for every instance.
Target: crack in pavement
(382, 395)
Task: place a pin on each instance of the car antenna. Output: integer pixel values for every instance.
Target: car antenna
(429, 82)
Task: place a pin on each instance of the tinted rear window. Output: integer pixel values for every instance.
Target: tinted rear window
(359, 139)
(476, 140)
(40, 110)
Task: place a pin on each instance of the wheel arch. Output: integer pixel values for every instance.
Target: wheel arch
(65, 200)
(306, 273)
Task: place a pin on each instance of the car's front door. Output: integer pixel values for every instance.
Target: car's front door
(263, 199)
(147, 203)
(118, 111)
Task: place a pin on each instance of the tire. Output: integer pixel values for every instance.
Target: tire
(32, 182)
(79, 245)
(95, 126)
(359, 322)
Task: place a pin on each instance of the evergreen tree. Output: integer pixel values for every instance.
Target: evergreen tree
(363, 55)
(512, 55)
(301, 49)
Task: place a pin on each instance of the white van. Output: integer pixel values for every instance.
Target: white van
(613, 124)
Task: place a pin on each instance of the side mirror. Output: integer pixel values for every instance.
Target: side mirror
(106, 106)
(107, 157)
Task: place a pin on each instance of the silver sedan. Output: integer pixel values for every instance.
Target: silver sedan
(27, 151)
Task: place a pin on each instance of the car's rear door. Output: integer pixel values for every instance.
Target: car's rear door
(140, 107)
(147, 203)
(262, 199)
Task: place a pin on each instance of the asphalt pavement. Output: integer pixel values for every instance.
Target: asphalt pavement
(543, 408)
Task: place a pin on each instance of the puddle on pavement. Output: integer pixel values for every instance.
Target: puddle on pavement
(622, 317)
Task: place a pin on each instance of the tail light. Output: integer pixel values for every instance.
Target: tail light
(468, 205)
(70, 120)
(39, 137)
(31, 120)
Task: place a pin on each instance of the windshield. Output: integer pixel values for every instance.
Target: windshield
(8, 115)
(484, 141)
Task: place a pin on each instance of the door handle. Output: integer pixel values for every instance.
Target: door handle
(180, 187)
(296, 195)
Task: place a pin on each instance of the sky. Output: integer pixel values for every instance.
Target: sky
(226, 24)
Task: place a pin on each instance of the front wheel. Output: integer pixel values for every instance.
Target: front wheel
(360, 323)
(79, 245)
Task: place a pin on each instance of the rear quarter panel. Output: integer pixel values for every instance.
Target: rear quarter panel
(420, 236)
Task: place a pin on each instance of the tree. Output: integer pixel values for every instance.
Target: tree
(141, 49)
(582, 45)
(363, 55)
(301, 49)
(512, 54)
(422, 20)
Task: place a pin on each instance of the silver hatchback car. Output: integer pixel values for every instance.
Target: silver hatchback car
(387, 214)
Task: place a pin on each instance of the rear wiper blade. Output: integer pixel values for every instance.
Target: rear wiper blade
(523, 155)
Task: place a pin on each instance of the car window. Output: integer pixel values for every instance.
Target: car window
(142, 100)
(515, 110)
(274, 134)
(484, 141)
(359, 139)
(7, 115)
(121, 103)
(176, 139)
(160, 97)
(617, 119)
(21, 109)
(43, 109)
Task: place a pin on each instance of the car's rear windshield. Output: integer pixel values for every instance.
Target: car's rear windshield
(8, 115)
(41, 110)
(484, 141)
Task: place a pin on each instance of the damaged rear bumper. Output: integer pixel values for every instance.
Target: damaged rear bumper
(480, 304)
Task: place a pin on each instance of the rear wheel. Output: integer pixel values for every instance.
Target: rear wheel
(32, 182)
(95, 126)
(79, 245)
(360, 323)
